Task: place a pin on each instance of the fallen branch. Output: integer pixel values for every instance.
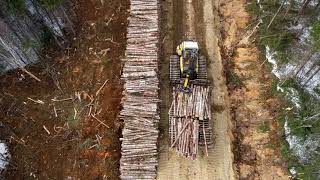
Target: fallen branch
(75, 113)
(55, 111)
(36, 101)
(44, 127)
(103, 85)
(99, 121)
(30, 74)
(273, 18)
(59, 100)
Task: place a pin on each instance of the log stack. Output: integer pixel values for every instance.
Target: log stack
(189, 117)
(140, 112)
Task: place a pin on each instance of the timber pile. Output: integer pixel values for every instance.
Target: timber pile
(189, 117)
(141, 84)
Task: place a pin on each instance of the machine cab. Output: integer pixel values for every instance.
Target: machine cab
(189, 55)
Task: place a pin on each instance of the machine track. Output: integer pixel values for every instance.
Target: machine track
(174, 69)
(175, 74)
(203, 73)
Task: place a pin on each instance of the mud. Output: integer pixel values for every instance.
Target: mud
(256, 131)
(68, 143)
(197, 20)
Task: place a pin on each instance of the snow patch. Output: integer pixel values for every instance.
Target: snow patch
(308, 78)
(303, 149)
(307, 72)
(293, 171)
(300, 2)
(293, 95)
(279, 88)
(304, 32)
(281, 72)
(260, 6)
(4, 156)
(270, 58)
(305, 35)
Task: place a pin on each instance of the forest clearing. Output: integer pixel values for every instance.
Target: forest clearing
(65, 125)
(86, 90)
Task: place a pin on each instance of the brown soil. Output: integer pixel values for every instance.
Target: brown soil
(71, 144)
(256, 145)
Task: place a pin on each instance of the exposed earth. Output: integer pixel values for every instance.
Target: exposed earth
(66, 125)
(253, 109)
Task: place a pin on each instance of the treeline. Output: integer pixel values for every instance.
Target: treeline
(289, 34)
(26, 26)
(284, 23)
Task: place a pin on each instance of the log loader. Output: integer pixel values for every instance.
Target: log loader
(188, 69)
(187, 66)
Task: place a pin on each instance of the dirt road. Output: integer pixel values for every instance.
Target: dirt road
(196, 19)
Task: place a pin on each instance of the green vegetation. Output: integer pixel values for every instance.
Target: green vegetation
(253, 8)
(28, 43)
(271, 145)
(272, 91)
(234, 80)
(2, 67)
(50, 4)
(276, 36)
(16, 6)
(264, 127)
(315, 34)
(300, 110)
(47, 37)
(317, 89)
(86, 143)
(303, 123)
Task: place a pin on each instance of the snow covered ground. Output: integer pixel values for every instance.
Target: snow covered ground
(4, 156)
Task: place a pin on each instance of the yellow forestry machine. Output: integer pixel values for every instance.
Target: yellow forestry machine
(188, 66)
(190, 111)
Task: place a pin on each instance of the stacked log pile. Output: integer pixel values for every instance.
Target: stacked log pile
(141, 84)
(189, 117)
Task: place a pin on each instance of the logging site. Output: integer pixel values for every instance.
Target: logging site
(160, 89)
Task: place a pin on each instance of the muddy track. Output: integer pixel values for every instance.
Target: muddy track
(187, 19)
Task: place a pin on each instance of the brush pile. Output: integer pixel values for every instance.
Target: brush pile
(141, 84)
(189, 117)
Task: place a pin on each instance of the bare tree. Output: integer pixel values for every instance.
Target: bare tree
(302, 9)
(307, 59)
(313, 74)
